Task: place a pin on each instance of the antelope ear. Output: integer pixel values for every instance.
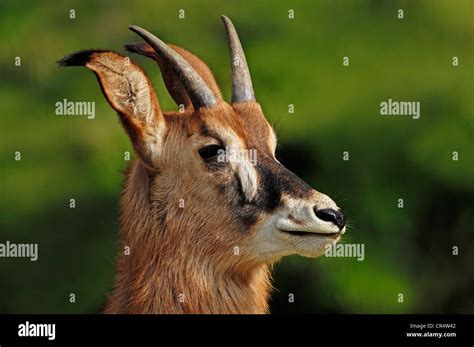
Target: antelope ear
(129, 91)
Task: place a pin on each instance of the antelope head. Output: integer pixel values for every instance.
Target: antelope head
(206, 184)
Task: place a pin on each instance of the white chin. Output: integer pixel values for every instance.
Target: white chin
(312, 246)
(270, 244)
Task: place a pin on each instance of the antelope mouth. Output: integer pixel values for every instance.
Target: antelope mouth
(299, 233)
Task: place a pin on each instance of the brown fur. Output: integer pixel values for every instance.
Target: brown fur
(182, 259)
(196, 258)
(184, 251)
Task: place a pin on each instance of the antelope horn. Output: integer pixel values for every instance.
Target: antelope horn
(242, 89)
(197, 89)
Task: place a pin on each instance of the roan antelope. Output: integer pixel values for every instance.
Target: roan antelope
(202, 232)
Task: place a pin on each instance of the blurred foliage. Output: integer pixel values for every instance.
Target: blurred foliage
(296, 62)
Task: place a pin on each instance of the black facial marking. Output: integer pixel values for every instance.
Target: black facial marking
(274, 180)
(268, 194)
(246, 213)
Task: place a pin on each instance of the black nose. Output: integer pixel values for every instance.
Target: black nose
(333, 216)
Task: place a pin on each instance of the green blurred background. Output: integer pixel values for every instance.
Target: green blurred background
(297, 62)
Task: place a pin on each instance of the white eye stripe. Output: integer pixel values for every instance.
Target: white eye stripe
(248, 178)
(241, 165)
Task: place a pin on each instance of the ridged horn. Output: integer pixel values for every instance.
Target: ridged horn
(197, 89)
(242, 89)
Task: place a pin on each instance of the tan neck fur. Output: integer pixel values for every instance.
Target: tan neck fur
(164, 276)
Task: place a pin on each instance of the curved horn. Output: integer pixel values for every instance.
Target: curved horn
(242, 89)
(197, 89)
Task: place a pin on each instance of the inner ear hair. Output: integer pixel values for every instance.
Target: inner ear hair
(129, 91)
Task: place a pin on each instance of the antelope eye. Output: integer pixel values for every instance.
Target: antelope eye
(210, 151)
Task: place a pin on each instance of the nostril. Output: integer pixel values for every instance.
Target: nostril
(333, 216)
